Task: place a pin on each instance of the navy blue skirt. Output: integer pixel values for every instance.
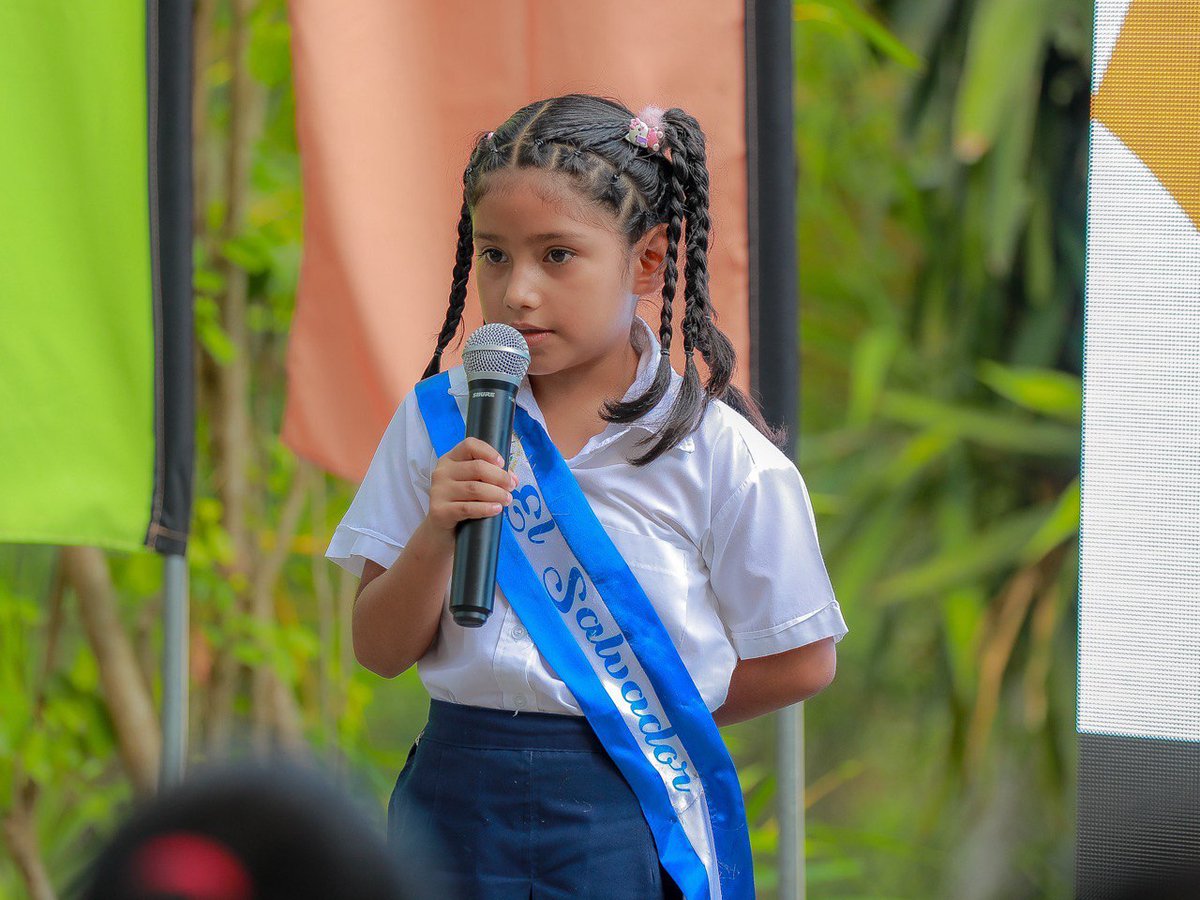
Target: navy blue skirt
(522, 805)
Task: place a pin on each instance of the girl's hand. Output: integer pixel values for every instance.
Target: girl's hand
(469, 482)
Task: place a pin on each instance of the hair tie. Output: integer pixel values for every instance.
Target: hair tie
(646, 129)
(652, 116)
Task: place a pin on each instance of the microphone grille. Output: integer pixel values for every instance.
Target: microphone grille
(496, 351)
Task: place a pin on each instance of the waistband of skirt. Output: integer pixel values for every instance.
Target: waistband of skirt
(502, 729)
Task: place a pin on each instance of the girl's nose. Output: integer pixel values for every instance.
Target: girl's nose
(522, 292)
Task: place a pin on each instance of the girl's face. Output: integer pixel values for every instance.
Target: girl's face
(552, 265)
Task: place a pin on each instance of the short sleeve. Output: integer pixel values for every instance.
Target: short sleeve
(765, 566)
(392, 499)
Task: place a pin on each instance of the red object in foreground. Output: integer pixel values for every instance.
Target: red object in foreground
(193, 866)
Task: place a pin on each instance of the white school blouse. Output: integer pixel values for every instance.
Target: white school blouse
(718, 531)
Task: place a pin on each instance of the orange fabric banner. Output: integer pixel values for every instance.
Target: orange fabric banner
(390, 96)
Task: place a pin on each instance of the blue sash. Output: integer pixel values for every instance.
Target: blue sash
(598, 630)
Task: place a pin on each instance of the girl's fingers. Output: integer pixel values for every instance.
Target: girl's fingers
(474, 448)
(482, 471)
(476, 510)
(479, 491)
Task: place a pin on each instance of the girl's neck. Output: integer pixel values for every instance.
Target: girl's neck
(570, 400)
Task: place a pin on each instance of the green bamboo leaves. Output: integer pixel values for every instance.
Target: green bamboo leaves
(1003, 61)
(1046, 391)
(854, 20)
(941, 228)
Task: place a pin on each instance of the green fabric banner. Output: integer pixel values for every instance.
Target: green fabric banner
(77, 326)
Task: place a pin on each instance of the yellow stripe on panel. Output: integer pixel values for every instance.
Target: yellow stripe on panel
(1148, 98)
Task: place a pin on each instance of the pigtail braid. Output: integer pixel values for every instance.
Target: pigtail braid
(700, 331)
(628, 411)
(688, 407)
(700, 327)
(458, 289)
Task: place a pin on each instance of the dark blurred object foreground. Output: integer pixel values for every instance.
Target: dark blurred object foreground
(249, 832)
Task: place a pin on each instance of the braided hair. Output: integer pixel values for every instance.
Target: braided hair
(582, 136)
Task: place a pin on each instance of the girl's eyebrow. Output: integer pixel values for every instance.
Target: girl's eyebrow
(535, 238)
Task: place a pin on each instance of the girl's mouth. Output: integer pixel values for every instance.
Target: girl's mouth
(535, 336)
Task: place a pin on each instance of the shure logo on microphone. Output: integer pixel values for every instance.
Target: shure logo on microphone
(483, 394)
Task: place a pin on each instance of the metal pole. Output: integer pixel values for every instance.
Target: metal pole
(775, 333)
(789, 800)
(169, 79)
(175, 670)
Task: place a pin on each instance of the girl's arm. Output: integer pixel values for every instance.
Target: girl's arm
(397, 610)
(761, 685)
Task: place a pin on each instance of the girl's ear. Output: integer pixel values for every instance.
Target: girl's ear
(650, 259)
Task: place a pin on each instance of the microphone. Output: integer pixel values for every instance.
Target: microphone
(495, 358)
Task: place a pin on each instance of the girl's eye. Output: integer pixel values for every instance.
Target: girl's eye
(484, 255)
(560, 250)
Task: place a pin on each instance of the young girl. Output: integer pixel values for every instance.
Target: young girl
(659, 573)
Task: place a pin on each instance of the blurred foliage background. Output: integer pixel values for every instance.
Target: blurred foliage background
(942, 154)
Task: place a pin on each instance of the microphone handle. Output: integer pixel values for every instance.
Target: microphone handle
(490, 411)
